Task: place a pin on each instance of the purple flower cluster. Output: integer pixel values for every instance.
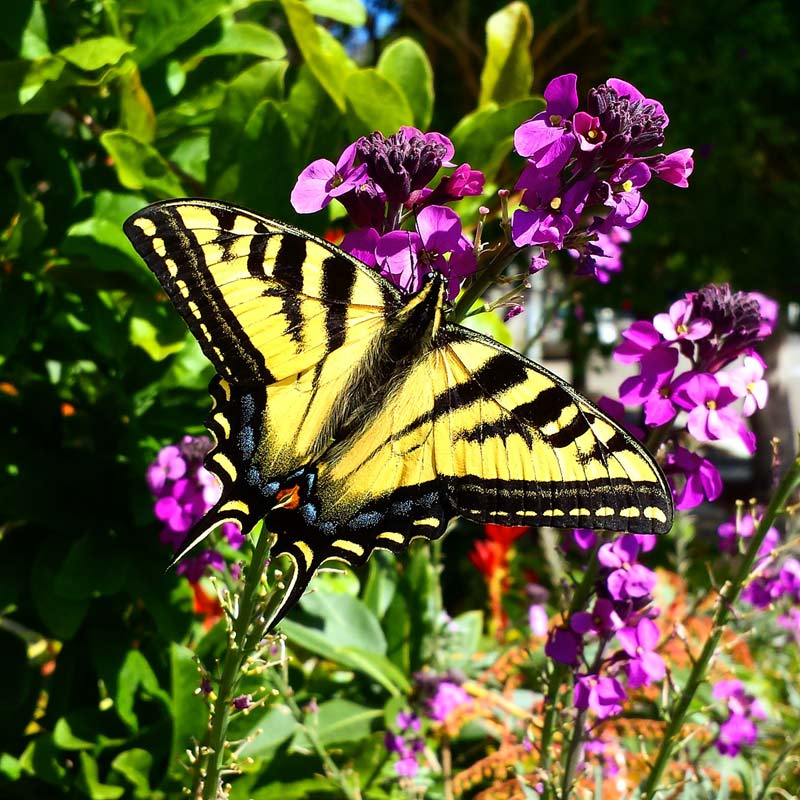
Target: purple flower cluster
(593, 163)
(383, 182)
(622, 611)
(699, 359)
(184, 491)
(407, 744)
(772, 581)
(739, 729)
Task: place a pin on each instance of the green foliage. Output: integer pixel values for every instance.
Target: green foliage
(107, 106)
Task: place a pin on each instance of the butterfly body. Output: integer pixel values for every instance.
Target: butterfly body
(351, 417)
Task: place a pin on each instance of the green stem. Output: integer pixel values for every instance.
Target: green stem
(232, 666)
(484, 278)
(561, 670)
(727, 597)
(282, 685)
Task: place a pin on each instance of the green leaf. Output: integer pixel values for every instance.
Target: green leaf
(242, 95)
(246, 38)
(485, 137)
(266, 152)
(465, 633)
(268, 732)
(24, 28)
(157, 329)
(348, 12)
(10, 767)
(40, 758)
(169, 23)
(140, 166)
(377, 667)
(405, 63)
(508, 70)
(323, 54)
(337, 721)
(346, 621)
(33, 87)
(89, 781)
(65, 739)
(381, 583)
(94, 565)
(92, 54)
(137, 115)
(62, 615)
(135, 677)
(189, 711)
(374, 103)
(135, 765)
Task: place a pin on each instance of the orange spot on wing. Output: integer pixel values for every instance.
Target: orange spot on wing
(289, 497)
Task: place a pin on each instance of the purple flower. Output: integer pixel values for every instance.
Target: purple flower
(702, 480)
(588, 131)
(242, 702)
(405, 162)
(182, 508)
(407, 767)
(551, 215)
(739, 730)
(463, 182)
(233, 533)
(584, 538)
(563, 646)
(655, 372)
(603, 696)
(321, 181)
(408, 721)
(405, 257)
(645, 665)
(678, 323)
(447, 698)
(709, 418)
(603, 620)
(639, 339)
(748, 382)
(361, 244)
(601, 256)
(168, 466)
(675, 168)
(627, 579)
(546, 140)
(194, 567)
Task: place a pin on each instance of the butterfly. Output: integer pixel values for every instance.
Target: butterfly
(351, 417)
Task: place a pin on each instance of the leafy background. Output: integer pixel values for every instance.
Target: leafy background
(105, 106)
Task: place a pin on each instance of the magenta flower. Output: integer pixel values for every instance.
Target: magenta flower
(627, 579)
(405, 257)
(701, 478)
(194, 567)
(678, 323)
(748, 382)
(645, 665)
(639, 339)
(447, 698)
(675, 168)
(601, 256)
(168, 466)
(182, 508)
(563, 646)
(656, 369)
(602, 621)
(588, 131)
(739, 730)
(710, 417)
(408, 721)
(603, 696)
(361, 244)
(584, 538)
(321, 181)
(546, 140)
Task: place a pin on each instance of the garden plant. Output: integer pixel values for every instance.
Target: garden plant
(493, 662)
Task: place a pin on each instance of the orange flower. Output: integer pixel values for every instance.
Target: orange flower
(206, 606)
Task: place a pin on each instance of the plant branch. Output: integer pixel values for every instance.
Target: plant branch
(235, 656)
(727, 597)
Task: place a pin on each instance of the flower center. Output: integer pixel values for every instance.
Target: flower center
(555, 119)
(711, 405)
(627, 186)
(682, 329)
(555, 203)
(336, 180)
(751, 387)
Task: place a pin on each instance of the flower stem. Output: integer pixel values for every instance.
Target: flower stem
(287, 695)
(485, 277)
(560, 671)
(235, 656)
(727, 597)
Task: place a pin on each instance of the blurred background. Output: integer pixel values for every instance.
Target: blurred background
(106, 105)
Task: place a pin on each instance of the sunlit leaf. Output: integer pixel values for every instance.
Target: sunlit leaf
(508, 70)
(405, 63)
(92, 54)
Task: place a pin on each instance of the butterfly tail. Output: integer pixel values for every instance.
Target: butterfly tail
(304, 565)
